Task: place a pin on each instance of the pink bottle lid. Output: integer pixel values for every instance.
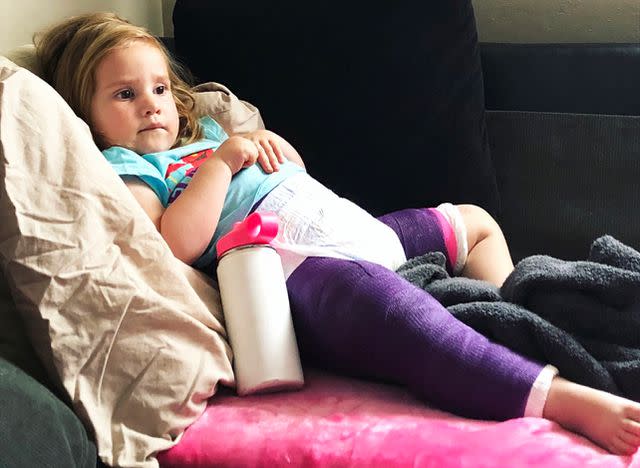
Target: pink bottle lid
(257, 228)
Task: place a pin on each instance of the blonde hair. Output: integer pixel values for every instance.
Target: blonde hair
(69, 54)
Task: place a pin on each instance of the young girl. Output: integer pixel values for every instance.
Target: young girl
(351, 311)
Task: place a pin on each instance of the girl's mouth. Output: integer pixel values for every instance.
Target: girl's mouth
(151, 127)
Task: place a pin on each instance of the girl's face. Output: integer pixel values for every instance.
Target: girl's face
(133, 105)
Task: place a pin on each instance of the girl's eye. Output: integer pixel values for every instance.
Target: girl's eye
(161, 89)
(125, 94)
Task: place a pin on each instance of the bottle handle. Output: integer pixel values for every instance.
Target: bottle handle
(257, 228)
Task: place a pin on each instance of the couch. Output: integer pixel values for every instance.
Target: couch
(546, 137)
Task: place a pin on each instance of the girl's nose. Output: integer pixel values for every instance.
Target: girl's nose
(150, 104)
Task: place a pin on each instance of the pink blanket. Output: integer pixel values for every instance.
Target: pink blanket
(337, 421)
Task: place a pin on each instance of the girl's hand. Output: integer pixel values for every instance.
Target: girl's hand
(270, 154)
(237, 152)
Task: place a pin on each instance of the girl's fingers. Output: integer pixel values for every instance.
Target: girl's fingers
(267, 153)
(263, 159)
(273, 158)
(275, 147)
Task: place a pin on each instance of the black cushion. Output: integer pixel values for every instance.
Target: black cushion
(385, 103)
(568, 78)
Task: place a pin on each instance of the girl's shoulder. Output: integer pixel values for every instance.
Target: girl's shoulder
(212, 129)
(121, 155)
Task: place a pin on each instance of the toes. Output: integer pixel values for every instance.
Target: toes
(620, 447)
(631, 426)
(629, 438)
(632, 411)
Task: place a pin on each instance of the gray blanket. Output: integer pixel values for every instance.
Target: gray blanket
(581, 316)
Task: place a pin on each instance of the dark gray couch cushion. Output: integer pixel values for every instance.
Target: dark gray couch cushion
(565, 179)
(36, 428)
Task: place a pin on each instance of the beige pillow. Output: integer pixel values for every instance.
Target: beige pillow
(234, 115)
(133, 336)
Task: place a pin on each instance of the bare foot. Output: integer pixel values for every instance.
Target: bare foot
(610, 421)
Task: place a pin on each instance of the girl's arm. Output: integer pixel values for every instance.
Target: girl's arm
(188, 224)
(146, 198)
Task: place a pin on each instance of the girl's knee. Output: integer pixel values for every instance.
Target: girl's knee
(479, 223)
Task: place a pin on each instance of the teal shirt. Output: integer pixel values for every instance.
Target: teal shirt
(169, 172)
(155, 168)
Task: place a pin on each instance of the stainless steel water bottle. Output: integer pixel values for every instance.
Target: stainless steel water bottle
(256, 308)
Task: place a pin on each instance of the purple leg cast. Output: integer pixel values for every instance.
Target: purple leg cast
(364, 320)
